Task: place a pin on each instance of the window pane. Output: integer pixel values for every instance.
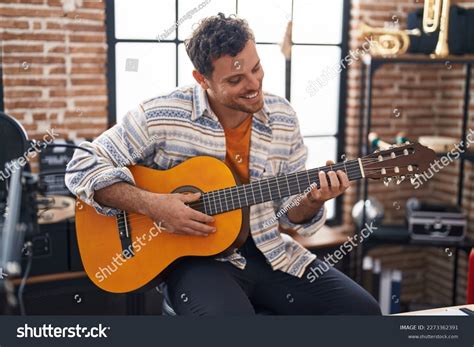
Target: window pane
(185, 67)
(317, 21)
(321, 149)
(190, 12)
(317, 107)
(145, 19)
(143, 70)
(268, 18)
(274, 65)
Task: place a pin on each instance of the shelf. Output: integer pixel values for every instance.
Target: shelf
(400, 235)
(417, 59)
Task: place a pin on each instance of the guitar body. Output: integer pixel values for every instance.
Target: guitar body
(99, 240)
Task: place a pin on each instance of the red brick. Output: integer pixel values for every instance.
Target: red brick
(87, 38)
(13, 24)
(23, 71)
(9, 48)
(87, 81)
(14, 94)
(13, 59)
(96, 70)
(34, 82)
(35, 104)
(34, 37)
(57, 70)
(30, 12)
(22, 1)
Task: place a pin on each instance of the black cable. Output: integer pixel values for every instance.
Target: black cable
(29, 253)
(71, 171)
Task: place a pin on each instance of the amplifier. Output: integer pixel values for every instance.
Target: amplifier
(55, 250)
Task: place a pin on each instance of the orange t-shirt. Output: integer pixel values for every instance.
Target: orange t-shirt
(238, 148)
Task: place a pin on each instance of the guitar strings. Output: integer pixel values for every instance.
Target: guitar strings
(272, 180)
(228, 192)
(140, 220)
(200, 203)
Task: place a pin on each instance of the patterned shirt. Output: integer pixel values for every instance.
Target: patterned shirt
(169, 129)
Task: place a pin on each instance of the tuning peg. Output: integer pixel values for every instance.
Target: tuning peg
(400, 179)
(386, 181)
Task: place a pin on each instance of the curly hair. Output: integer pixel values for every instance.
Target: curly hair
(214, 37)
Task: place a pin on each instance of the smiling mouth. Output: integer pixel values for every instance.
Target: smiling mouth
(251, 96)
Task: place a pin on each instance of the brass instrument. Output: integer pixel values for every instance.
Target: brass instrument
(387, 41)
(436, 15)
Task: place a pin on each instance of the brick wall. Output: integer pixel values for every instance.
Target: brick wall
(54, 66)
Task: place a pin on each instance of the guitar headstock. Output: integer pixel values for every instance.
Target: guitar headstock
(398, 162)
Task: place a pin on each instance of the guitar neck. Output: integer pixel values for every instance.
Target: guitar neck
(270, 189)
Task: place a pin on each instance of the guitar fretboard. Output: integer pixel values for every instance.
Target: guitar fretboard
(270, 189)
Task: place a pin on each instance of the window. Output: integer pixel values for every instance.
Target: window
(147, 57)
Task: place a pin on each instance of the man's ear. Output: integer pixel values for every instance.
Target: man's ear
(200, 79)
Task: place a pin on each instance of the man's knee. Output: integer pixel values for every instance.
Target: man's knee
(205, 287)
(368, 306)
(205, 306)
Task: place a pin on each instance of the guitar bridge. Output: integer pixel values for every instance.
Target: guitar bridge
(125, 235)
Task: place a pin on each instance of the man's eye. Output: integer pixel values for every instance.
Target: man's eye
(234, 81)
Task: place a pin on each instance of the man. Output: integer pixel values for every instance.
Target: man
(228, 116)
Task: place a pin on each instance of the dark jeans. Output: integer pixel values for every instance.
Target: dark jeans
(203, 286)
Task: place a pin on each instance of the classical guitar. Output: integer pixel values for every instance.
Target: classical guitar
(116, 261)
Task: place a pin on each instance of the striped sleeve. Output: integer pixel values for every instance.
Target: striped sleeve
(296, 163)
(125, 144)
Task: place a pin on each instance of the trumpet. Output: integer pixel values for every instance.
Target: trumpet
(387, 41)
(436, 15)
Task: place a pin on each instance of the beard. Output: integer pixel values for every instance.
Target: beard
(243, 106)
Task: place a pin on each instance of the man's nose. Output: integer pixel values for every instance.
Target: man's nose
(253, 83)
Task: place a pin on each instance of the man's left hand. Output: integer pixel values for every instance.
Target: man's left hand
(337, 184)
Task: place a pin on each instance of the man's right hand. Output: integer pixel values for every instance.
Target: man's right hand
(176, 217)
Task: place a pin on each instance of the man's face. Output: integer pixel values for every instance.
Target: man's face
(236, 82)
